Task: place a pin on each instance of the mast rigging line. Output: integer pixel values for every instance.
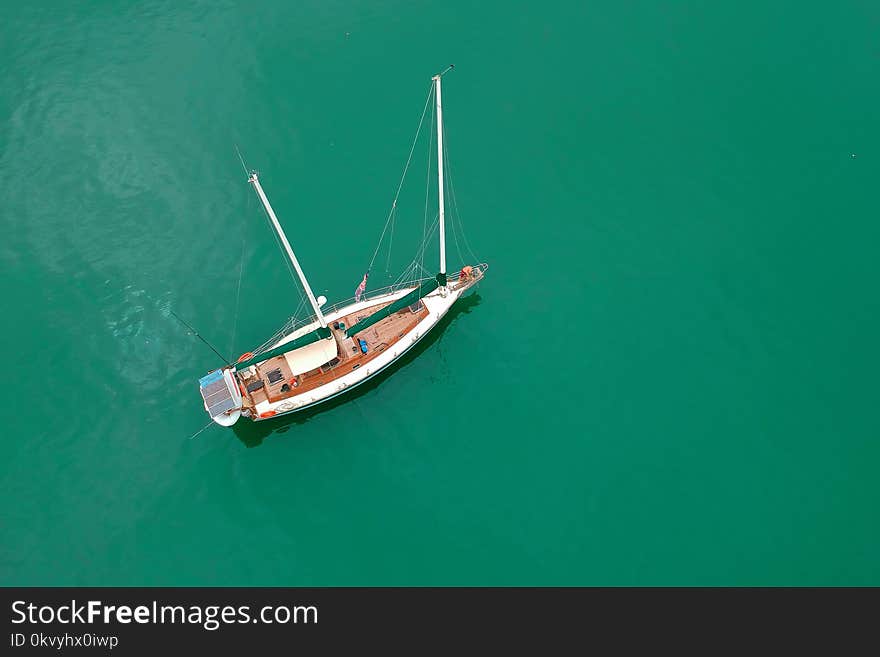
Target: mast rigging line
(280, 246)
(255, 181)
(159, 305)
(454, 205)
(198, 335)
(427, 187)
(240, 266)
(417, 263)
(241, 159)
(402, 178)
(248, 173)
(289, 326)
(238, 290)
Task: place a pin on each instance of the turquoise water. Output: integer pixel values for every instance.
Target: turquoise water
(668, 377)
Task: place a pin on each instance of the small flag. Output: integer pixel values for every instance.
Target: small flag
(361, 288)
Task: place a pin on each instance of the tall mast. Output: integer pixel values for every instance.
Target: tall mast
(254, 180)
(441, 277)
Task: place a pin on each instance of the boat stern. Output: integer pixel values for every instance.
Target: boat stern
(221, 396)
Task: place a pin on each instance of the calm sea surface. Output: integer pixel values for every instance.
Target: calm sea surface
(669, 376)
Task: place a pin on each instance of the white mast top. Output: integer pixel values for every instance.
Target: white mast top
(302, 277)
(442, 218)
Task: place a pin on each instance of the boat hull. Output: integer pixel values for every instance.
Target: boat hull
(438, 305)
(349, 388)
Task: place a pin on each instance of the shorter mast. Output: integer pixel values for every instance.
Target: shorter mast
(254, 180)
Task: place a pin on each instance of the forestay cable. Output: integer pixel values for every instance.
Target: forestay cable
(402, 178)
(456, 213)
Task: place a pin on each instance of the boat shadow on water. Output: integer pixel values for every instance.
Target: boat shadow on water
(252, 434)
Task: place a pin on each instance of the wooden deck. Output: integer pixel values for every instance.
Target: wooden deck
(278, 382)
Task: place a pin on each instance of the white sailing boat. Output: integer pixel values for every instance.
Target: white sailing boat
(340, 347)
